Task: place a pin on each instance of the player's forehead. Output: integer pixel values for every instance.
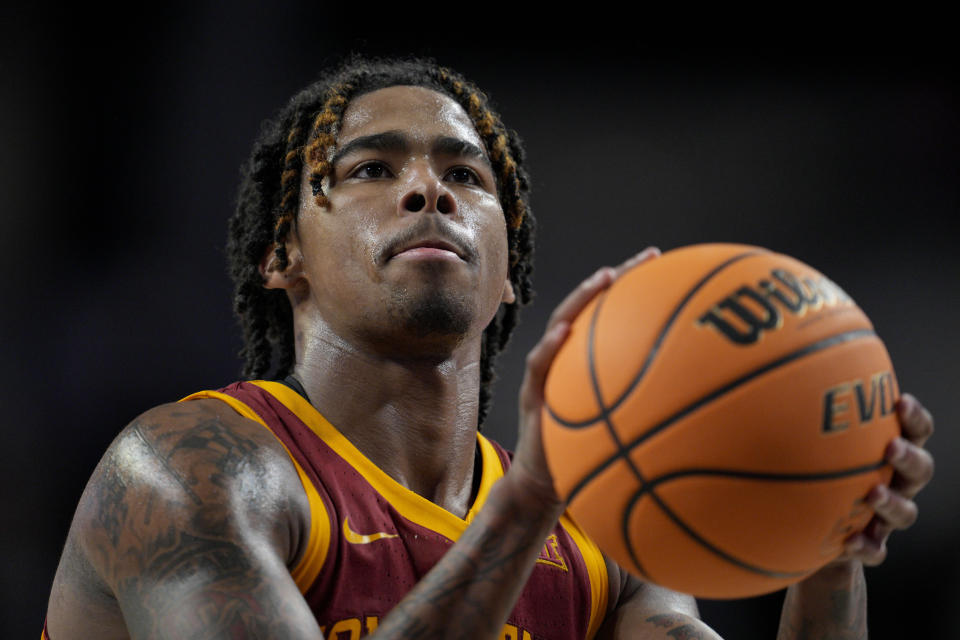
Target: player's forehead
(420, 113)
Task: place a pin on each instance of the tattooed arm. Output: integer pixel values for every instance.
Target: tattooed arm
(644, 611)
(186, 529)
(830, 605)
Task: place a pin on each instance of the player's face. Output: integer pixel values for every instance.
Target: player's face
(413, 247)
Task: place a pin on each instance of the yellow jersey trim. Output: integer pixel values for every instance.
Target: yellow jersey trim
(318, 540)
(596, 570)
(409, 504)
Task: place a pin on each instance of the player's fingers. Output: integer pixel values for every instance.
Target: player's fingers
(867, 550)
(913, 467)
(574, 303)
(877, 530)
(644, 256)
(896, 511)
(915, 420)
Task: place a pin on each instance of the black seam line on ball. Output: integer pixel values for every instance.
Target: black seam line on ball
(595, 385)
(653, 350)
(595, 381)
(839, 338)
(605, 412)
(764, 476)
(771, 573)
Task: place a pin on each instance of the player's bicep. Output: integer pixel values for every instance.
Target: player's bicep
(205, 586)
(644, 611)
(185, 521)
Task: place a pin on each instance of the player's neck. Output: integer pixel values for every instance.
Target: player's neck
(415, 419)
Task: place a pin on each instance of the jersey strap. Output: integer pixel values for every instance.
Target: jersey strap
(596, 570)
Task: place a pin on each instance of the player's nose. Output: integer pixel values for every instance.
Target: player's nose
(425, 192)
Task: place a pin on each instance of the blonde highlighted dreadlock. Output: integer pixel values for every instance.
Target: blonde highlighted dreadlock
(303, 133)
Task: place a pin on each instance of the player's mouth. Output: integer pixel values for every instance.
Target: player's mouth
(430, 240)
(428, 249)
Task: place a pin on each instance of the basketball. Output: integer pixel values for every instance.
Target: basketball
(716, 417)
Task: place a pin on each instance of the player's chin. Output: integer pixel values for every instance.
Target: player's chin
(433, 310)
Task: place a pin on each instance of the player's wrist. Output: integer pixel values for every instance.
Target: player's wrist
(836, 574)
(841, 569)
(532, 492)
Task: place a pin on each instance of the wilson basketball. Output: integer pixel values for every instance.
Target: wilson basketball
(717, 416)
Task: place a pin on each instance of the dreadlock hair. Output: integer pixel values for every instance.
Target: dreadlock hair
(302, 134)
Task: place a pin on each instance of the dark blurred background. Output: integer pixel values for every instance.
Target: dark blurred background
(832, 139)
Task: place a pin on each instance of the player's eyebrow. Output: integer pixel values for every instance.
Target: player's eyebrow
(459, 147)
(386, 141)
(397, 141)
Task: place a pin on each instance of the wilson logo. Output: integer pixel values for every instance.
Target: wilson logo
(744, 315)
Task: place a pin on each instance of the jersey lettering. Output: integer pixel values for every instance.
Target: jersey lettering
(348, 629)
(513, 632)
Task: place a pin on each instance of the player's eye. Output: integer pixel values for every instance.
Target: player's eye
(463, 175)
(371, 171)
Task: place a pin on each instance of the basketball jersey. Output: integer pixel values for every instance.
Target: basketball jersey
(372, 539)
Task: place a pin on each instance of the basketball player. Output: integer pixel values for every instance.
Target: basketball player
(381, 248)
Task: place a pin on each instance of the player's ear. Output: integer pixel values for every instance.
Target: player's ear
(273, 276)
(508, 295)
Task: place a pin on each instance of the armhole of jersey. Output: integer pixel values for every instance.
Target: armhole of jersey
(596, 570)
(318, 541)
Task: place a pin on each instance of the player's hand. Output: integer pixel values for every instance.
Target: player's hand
(529, 459)
(894, 505)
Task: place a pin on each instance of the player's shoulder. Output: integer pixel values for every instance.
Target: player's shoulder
(195, 466)
(178, 436)
(183, 484)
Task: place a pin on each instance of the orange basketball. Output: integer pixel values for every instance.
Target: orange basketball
(716, 418)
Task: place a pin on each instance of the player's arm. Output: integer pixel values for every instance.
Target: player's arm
(644, 611)
(832, 603)
(190, 522)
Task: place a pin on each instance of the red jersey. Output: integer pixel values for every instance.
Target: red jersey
(371, 539)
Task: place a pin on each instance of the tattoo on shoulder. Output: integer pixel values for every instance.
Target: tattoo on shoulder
(685, 632)
(665, 620)
(193, 451)
(229, 451)
(680, 630)
(113, 509)
(160, 516)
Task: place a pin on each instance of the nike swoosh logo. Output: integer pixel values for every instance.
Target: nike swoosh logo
(358, 538)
